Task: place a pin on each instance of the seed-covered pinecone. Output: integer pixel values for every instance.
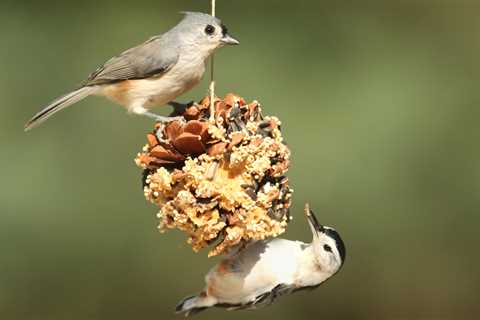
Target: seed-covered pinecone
(221, 182)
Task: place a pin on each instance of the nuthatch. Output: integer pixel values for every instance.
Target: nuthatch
(153, 73)
(264, 270)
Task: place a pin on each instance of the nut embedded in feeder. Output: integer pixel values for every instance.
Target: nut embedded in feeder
(220, 183)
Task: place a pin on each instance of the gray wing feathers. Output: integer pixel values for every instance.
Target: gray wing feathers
(152, 58)
(59, 104)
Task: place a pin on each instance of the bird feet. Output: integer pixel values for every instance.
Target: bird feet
(161, 120)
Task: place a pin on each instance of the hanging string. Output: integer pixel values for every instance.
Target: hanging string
(212, 80)
(213, 8)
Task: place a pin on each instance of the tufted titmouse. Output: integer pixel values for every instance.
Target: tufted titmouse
(153, 73)
(258, 274)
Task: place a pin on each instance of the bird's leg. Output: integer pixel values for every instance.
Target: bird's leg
(270, 297)
(162, 119)
(159, 119)
(179, 108)
(282, 289)
(263, 299)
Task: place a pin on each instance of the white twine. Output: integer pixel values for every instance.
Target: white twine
(212, 80)
(213, 8)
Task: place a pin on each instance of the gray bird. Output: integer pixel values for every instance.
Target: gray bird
(258, 274)
(154, 73)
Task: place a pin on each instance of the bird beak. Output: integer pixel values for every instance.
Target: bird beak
(312, 221)
(229, 40)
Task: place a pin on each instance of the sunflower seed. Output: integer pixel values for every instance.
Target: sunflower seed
(235, 112)
(251, 193)
(212, 170)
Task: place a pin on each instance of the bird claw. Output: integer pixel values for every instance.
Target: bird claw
(161, 122)
(159, 133)
(270, 297)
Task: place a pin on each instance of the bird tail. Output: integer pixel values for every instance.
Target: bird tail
(59, 104)
(195, 304)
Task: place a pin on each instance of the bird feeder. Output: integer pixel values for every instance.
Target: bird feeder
(222, 182)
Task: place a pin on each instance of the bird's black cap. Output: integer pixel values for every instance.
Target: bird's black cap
(332, 233)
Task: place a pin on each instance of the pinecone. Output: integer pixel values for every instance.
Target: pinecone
(219, 182)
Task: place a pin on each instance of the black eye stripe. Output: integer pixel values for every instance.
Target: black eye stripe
(224, 30)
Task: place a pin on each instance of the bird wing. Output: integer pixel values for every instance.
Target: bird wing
(150, 59)
(250, 275)
(227, 281)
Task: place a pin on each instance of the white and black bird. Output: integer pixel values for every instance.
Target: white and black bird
(153, 73)
(258, 274)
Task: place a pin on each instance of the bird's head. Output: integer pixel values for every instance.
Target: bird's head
(328, 246)
(204, 31)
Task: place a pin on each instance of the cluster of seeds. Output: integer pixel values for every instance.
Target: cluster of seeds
(222, 183)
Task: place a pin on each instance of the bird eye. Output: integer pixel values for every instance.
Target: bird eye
(327, 248)
(209, 29)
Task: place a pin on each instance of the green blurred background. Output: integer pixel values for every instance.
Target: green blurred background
(380, 106)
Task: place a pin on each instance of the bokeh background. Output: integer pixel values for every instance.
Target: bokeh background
(380, 106)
